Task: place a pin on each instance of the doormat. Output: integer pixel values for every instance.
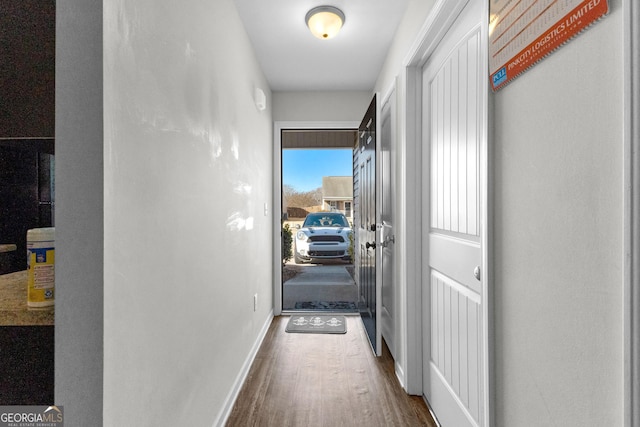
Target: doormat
(327, 305)
(317, 324)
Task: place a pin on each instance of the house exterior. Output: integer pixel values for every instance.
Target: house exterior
(337, 194)
(150, 314)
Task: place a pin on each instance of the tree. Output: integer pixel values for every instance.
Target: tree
(292, 198)
(287, 240)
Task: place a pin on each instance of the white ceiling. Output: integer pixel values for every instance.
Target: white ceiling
(294, 60)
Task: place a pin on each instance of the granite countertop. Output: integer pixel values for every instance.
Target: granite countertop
(13, 303)
(7, 247)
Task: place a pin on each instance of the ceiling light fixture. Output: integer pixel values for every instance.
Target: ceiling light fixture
(325, 21)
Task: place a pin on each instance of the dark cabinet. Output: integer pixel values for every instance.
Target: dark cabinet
(27, 68)
(27, 365)
(27, 121)
(26, 196)
(27, 129)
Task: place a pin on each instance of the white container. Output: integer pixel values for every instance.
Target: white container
(41, 267)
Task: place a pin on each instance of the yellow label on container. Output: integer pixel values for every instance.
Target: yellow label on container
(41, 277)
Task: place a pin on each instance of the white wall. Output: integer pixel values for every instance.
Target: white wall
(412, 21)
(320, 106)
(558, 236)
(188, 170)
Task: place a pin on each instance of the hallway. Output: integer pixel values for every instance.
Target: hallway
(324, 380)
(167, 217)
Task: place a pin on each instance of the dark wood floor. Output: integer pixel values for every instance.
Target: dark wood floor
(324, 380)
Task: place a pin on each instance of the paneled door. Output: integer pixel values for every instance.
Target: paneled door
(366, 227)
(387, 154)
(454, 182)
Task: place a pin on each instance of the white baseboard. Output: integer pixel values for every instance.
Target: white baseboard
(399, 370)
(242, 375)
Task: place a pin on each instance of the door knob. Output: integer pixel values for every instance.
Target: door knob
(387, 240)
(476, 272)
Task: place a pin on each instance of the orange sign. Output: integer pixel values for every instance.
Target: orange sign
(522, 32)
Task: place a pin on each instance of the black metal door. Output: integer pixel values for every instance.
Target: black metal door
(366, 226)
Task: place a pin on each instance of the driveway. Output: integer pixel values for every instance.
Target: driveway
(319, 282)
(314, 274)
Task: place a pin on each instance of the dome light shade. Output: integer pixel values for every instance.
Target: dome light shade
(325, 21)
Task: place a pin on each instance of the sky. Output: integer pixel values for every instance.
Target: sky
(303, 169)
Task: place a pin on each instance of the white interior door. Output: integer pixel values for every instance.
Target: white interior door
(454, 183)
(387, 188)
